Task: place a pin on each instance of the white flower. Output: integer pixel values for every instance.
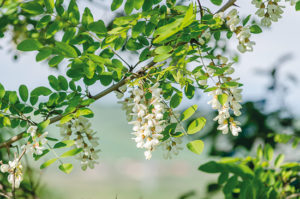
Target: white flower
(4, 168)
(14, 168)
(202, 82)
(234, 128)
(84, 138)
(172, 147)
(223, 127)
(32, 130)
(148, 155)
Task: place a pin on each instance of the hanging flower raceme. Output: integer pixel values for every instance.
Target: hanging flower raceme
(243, 33)
(14, 168)
(145, 110)
(148, 122)
(80, 131)
(172, 147)
(37, 142)
(269, 11)
(226, 99)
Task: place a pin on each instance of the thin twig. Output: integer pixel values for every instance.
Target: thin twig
(4, 195)
(226, 6)
(201, 9)
(295, 195)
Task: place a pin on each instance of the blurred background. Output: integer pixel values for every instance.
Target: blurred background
(271, 95)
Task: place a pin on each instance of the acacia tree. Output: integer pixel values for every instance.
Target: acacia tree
(179, 55)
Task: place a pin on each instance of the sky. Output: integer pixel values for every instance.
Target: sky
(281, 39)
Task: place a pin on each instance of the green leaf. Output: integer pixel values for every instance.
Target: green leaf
(279, 159)
(105, 79)
(189, 91)
(268, 152)
(116, 4)
(245, 21)
(13, 98)
(138, 29)
(217, 2)
(138, 4)
(255, 29)
(2, 91)
(48, 163)
(55, 60)
(40, 91)
(222, 98)
(54, 82)
(66, 50)
(211, 167)
(66, 167)
(230, 185)
(6, 121)
(52, 29)
(64, 144)
(83, 111)
(33, 8)
(170, 29)
(97, 27)
(196, 125)
(63, 83)
(43, 54)
(66, 118)
(23, 91)
(29, 45)
(73, 12)
(175, 100)
(297, 6)
(87, 17)
(147, 5)
(163, 57)
(49, 5)
(37, 157)
(129, 5)
(223, 177)
(189, 16)
(163, 50)
(43, 125)
(196, 146)
(71, 153)
(188, 112)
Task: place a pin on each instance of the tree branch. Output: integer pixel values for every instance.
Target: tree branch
(226, 6)
(114, 87)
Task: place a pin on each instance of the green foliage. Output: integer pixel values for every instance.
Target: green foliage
(196, 146)
(196, 125)
(67, 168)
(188, 112)
(256, 177)
(297, 6)
(48, 163)
(217, 2)
(29, 45)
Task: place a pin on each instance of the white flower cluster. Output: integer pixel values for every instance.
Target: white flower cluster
(81, 127)
(148, 124)
(242, 32)
(146, 115)
(172, 146)
(233, 99)
(269, 11)
(14, 168)
(37, 145)
(205, 37)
